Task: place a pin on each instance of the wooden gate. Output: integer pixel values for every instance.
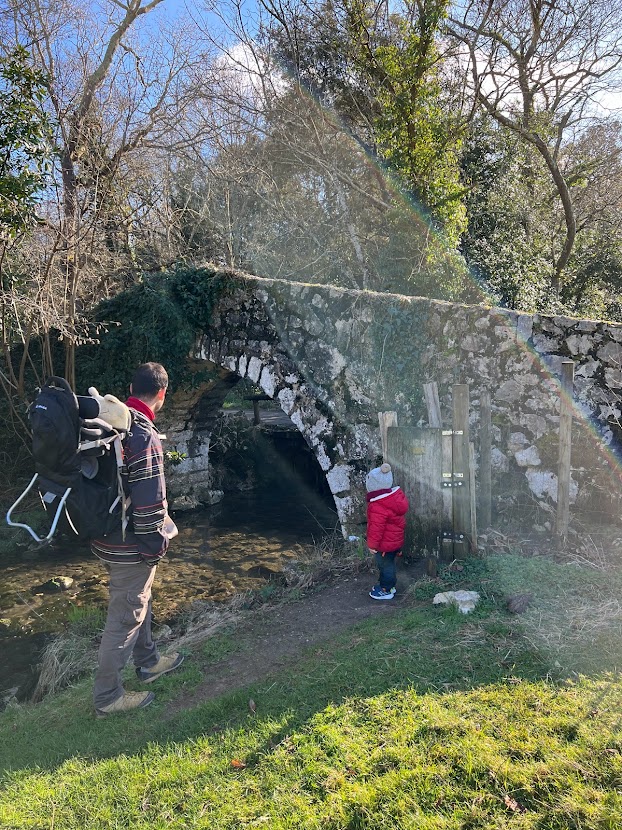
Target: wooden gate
(432, 467)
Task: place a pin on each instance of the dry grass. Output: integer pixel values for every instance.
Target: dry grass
(205, 619)
(330, 556)
(65, 659)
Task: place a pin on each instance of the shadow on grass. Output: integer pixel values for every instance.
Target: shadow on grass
(427, 649)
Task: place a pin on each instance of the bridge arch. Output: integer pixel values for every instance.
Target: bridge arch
(194, 416)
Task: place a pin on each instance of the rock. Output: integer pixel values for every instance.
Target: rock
(544, 483)
(517, 603)
(509, 391)
(183, 503)
(465, 600)
(215, 496)
(529, 457)
(54, 585)
(499, 461)
(611, 353)
(164, 632)
(518, 441)
(8, 696)
(579, 344)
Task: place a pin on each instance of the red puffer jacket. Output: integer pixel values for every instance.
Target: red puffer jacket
(386, 519)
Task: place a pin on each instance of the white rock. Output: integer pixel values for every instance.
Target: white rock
(254, 368)
(267, 381)
(184, 503)
(579, 344)
(544, 483)
(339, 478)
(529, 457)
(524, 326)
(465, 600)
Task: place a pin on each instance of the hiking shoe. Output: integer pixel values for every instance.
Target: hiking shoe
(126, 703)
(381, 593)
(165, 664)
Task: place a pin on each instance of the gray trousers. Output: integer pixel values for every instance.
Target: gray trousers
(127, 631)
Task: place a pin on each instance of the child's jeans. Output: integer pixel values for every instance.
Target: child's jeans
(386, 569)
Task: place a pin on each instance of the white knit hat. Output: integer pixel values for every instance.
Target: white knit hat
(380, 478)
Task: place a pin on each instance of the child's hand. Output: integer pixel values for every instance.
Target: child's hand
(372, 550)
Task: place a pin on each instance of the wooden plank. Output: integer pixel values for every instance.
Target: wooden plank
(472, 500)
(415, 455)
(386, 420)
(460, 460)
(430, 390)
(565, 448)
(485, 469)
(447, 516)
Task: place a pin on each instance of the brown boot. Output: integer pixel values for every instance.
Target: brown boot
(126, 703)
(167, 663)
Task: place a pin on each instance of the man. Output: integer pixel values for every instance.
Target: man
(131, 561)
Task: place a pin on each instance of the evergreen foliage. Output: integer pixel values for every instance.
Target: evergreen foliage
(156, 319)
(25, 142)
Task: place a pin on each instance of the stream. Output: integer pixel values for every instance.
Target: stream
(240, 544)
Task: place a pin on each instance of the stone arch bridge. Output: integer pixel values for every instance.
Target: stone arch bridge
(333, 358)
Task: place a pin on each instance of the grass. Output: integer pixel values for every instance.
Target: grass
(430, 719)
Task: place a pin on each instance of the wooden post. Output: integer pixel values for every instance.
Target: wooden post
(430, 390)
(386, 420)
(255, 400)
(485, 476)
(565, 445)
(472, 499)
(461, 490)
(447, 479)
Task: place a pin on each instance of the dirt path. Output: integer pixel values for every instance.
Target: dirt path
(273, 636)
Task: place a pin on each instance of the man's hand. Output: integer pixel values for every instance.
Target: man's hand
(112, 410)
(170, 528)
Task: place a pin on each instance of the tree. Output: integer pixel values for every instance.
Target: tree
(119, 91)
(25, 161)
(378, 67)
(511, 218)
(315, 197)
(539, 69)
(25, 143)
(515, 223)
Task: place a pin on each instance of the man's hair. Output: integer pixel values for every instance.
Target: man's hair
(148, 379)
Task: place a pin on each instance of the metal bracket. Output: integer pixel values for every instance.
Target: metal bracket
(449, 536)
(57, 514)
(452, 432)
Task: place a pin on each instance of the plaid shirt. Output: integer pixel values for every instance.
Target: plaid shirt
(145, 539)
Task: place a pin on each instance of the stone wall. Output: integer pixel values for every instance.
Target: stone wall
(335, 357)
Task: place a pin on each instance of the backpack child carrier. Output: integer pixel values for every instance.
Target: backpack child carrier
(78, 461)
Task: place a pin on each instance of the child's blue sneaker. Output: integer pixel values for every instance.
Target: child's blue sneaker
(381, 593)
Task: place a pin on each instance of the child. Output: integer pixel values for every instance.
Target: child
(386, 519)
